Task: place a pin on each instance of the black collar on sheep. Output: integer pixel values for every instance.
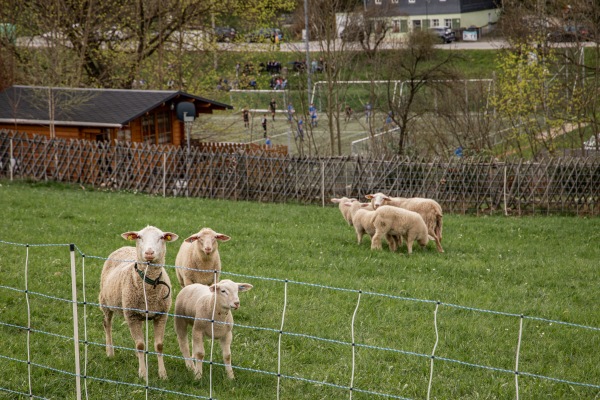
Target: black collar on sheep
(153, 282)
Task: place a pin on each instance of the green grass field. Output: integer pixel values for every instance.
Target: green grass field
(544, 268)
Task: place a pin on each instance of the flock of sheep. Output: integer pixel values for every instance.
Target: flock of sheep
(395, 218)
(135, 284)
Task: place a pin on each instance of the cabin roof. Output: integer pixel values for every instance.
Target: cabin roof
(90, 107)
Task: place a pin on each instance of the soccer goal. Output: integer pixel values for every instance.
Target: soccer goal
(356, 94)
(258, 100)
(379, 94)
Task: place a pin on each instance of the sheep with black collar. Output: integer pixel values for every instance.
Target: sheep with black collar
(135, 284)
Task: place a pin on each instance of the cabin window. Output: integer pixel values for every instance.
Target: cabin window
(163, 122)
(156, 128)
(148, 135)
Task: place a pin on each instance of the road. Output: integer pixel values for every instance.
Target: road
(316, 46)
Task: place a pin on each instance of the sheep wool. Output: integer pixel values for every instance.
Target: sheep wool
(395, 221)
(343, 208)
(198, 259)
(363, 218)
(199, 305)
(135, 284)
(429, 209)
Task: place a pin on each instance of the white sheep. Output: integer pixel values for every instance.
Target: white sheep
(198, 259)
(135, 284)
(195, 305)
(343, 208)
(399, 222)
(429, 209)
(363, 218)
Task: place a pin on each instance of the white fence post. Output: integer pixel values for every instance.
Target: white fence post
(75, 322)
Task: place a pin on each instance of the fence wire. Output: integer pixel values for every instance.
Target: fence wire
(80, 300)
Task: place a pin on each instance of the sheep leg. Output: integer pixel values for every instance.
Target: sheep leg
(438, 244)
(135, 328)
(409, 243)
(107, 322)
(179, 274)
(198, 349)
(376, 240)
(181, 330)
(159, 334)
(187, 281)
(359, 234)
(226, 349)
(391, 239)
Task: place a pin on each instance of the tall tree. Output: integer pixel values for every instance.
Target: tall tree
(110, 40)
(549, 74)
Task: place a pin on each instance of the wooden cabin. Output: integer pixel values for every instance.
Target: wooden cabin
(142, 116)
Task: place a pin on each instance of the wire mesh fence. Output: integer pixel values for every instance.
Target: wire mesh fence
(460, 184)
(293, 352)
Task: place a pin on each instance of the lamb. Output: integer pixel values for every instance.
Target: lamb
(429, 209)
(198, 258)
(135, 284)
(395, 221)
(363, 220)
(195, 305)
(343, 208)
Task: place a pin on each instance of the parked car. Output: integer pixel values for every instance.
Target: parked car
(225, 34)
(445, 34)
(264, 34)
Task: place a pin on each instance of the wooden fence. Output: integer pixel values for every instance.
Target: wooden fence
(460, 185)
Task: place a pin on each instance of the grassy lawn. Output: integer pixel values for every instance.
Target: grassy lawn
(493, 270)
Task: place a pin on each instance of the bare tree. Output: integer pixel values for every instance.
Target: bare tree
(335, 58)
(423, 70)
(460, 117)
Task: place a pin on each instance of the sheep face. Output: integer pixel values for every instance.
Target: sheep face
(227, 293)
(341, 200)
(377, 199)
(150, 243)
(206, 240)
(355, 205)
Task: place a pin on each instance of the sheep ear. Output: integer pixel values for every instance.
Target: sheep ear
(222, 237)
(244, 287)
(130, 235)
(191, 239)
(348, 204)
(369, 196)
(170, 237)
(365, 205)
(336, 200)
(213, 287)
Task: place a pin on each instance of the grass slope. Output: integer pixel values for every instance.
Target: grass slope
(540, 267)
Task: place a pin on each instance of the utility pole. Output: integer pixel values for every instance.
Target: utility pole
(307, 68)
